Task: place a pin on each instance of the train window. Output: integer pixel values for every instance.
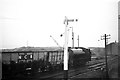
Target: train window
(49, 57)
(55, 56)
(45, 53)
(52, 57)
(41, 55)
(59, 56)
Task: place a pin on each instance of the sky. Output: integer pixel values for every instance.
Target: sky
(31, 22)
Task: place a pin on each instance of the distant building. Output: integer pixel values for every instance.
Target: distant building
(112, 48)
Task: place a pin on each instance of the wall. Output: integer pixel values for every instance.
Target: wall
(112, 48)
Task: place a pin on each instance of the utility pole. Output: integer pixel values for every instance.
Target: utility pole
(72, 37)
(105, 37)
(66, 21)
(78, 40)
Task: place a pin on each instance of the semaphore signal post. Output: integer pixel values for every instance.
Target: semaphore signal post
(66, 22)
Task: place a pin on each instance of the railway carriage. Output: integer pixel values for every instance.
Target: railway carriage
(35, 61)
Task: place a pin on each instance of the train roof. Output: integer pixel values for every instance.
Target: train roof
(32, 49)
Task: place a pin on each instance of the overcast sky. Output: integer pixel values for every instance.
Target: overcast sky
(33, 21)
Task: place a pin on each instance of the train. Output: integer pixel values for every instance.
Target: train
(33, 60)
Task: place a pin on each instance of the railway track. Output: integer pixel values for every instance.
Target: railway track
(88, 70)
(95, 68)
(73, 73)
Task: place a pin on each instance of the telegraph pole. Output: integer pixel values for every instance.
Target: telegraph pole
(72, 37)
(105, 37)
(78, 40)
(66, 21)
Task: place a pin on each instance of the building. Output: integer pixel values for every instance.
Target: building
(112, 48)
